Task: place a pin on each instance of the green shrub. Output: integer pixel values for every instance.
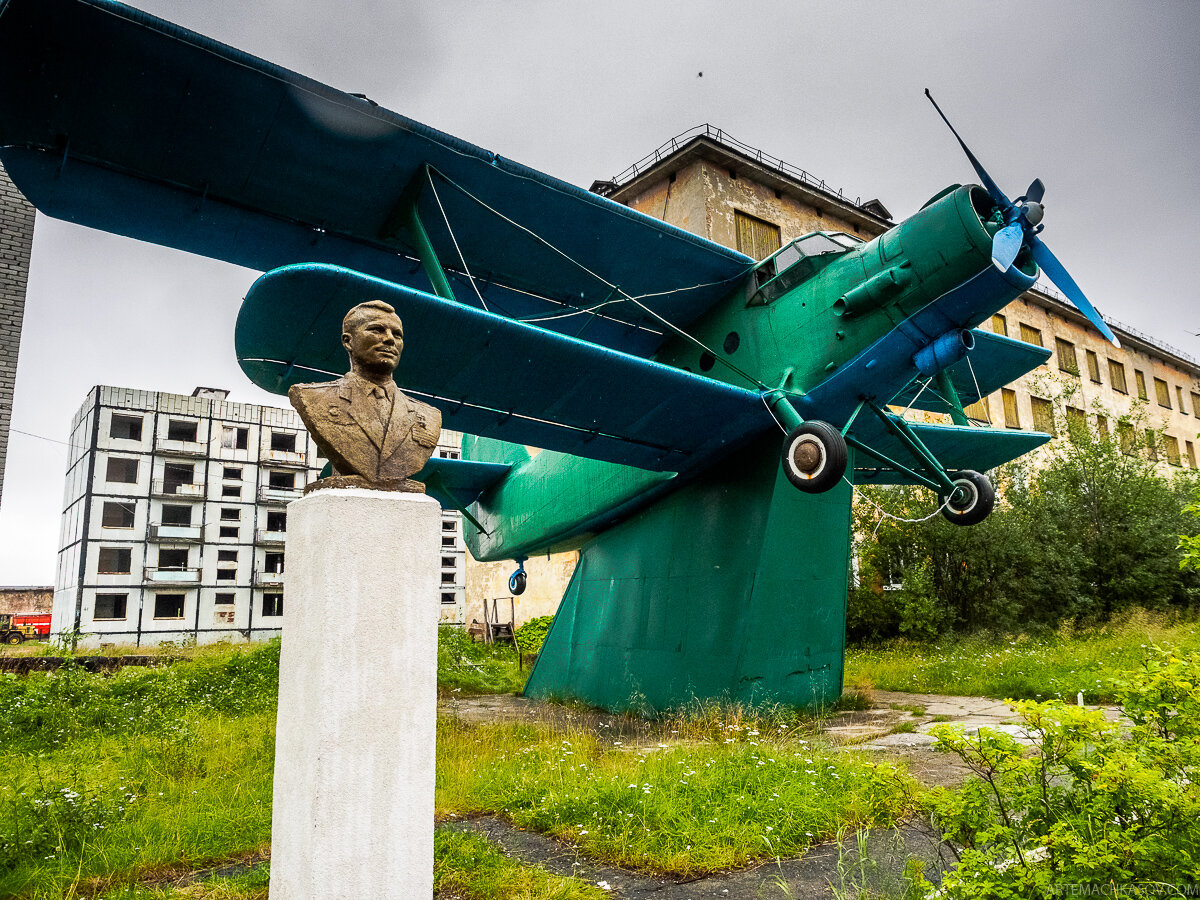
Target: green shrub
(1096, 806)
(532, 634)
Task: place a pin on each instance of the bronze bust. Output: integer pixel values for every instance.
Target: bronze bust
(371, 433)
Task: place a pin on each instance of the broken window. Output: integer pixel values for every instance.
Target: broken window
(231, 514)
(284, 441)
(447, 597)
(231, 492)
(273, 563)
(235, 438)
(272, 605)
(227, 556)
(285, 481)
(176, 515)
(168, 606)
(111, 606)
(125, 428)
(277, 521)
(181, 430)
(122, 470)
(229, 532)
(232, 474)
(173, 558)
(175, 474)
(114, 561)
(224, 599)
(117, 515)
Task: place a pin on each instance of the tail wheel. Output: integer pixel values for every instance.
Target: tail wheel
(814, 457)
(517, 581)
(972, 500)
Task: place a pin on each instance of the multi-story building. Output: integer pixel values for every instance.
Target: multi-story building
(175, 518)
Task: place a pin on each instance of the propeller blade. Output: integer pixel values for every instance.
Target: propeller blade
(984, 178)
(1059, 275)
(1006, 245)
(1036, 191)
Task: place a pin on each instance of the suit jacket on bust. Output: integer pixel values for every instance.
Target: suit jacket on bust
(354, 432)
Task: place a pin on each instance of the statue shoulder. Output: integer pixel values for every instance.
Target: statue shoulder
(430, 414)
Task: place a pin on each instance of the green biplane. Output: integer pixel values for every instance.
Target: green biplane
(661, 373)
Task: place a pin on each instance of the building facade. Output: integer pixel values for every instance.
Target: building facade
(175, 519)
(16, 244)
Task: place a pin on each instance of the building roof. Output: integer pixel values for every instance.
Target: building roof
(716, 146)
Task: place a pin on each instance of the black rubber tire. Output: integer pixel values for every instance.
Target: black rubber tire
(823, 457)
(13, 638)
(517, 581)
(976, 503)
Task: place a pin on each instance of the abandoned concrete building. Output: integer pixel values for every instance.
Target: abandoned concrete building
(175, 518)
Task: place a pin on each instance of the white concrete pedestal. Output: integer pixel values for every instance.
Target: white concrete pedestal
(354, 754)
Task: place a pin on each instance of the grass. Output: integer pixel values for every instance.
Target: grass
(467, 667)
(685, 808)
(1020, 667)
(472, 865)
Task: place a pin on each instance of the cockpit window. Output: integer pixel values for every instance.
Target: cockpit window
(798, 260)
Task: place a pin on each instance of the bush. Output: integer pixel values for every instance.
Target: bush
(1096, 807)
(532, 634)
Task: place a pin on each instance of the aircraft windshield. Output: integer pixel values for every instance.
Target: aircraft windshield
(799, 260)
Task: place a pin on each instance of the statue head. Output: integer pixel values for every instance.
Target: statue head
(373, 335)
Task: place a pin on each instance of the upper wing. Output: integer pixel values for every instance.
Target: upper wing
(498, 378)
(118, 120)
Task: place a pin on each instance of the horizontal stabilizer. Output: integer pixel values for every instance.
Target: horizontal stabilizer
(995, 362)
(457, 483)
(115, 119)
(955, 447)
(498, 378)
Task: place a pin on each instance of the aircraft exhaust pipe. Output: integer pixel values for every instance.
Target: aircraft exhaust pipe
(874, 292)
(944, 351)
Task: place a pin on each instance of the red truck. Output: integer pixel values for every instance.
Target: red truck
(18, 627)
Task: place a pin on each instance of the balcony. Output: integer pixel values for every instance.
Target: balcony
(268, 579)
(154, 575)
(162, 488)
(190, 449)
(268, 494)
(189, 533)
(293, 459)
(263, 536)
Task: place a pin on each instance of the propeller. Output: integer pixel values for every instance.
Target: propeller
(1022, 223)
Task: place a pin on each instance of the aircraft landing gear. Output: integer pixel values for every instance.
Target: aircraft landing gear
(518, 579)
(814, 456)
(972, 500)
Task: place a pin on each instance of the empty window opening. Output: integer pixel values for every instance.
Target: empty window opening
(234, 438)
(181, 430)
(168, 606)
(175, 474)
(448, 562)
(176, 515)
(224, 599)
(125, 428)
(283, 440)
(273, 563)
(447, 542)
(175, 559)
(232, 473)
(447, 524)
(447, 597)
(228, 532)
(121, 470)
(276, 521)
(114, 561)
(226, 574)
(284, 481)
(230, 514)
(272, 605)
(227, 556)
(447, 578)
(111, 606)
(117, 515)
(231, 492)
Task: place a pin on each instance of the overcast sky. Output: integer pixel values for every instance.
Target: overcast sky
(1099, 99)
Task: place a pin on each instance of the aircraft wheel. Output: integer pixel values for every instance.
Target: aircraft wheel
(517, 581)
(972, 500)
(13, 639)
(814, 457)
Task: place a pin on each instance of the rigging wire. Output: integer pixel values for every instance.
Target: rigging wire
(457, 249)
(616, 288)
